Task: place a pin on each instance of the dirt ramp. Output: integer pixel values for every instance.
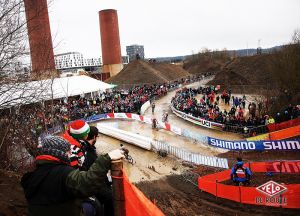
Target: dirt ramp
(142, 72)
(246, 71)
(204, 66)
(171, 71)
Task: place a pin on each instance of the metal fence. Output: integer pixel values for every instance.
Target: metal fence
(190, 157)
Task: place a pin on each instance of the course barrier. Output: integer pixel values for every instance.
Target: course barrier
(293, 145)
(278, 135)
(250, 195)
(245, 145)
(276, 131)
(144, 107)
(276, 166)
(274, 144)
(191, 157)
(148, 144)
(285, 133)
(136, 203)
(197, 121)
(136, 139)
(283, 125)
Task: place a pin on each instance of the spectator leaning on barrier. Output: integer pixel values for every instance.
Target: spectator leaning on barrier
(240, 173)
(104, 195)
(56, 188)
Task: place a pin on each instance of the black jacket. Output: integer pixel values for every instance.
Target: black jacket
(58, 189)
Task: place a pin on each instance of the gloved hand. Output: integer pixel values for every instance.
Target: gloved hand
(116, 154)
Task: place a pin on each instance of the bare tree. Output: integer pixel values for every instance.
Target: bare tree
(13, 45)
(18, 129)
(285, 67)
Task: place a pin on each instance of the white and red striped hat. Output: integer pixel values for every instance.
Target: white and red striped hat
(79, 129)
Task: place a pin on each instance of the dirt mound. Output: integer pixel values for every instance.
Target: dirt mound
(141, 72)
(250, 70)
(230, 77)
(170, 71)
(204, 66)
(12, 199)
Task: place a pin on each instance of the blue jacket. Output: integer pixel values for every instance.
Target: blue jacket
(240, 173)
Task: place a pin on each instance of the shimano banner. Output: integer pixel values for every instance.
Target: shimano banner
(255, 145)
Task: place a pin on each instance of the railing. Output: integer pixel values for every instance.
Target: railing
(191, 157)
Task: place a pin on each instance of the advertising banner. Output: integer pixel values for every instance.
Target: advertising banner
(255, 145)
(95, 118)
(197, 121)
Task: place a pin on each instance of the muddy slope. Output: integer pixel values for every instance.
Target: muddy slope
(141, 72)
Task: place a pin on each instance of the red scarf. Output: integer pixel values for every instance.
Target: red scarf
(49, 158)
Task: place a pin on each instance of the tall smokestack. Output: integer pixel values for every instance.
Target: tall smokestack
(39, 32)
(110, 42)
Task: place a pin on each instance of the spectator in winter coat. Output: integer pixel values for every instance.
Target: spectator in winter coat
(104, 195)
(56, 188)
(240, 173)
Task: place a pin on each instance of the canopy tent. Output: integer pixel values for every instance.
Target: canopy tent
(43, 90)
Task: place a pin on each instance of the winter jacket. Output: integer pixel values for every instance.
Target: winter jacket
(240, 173)
(57, 189)
(90, 155)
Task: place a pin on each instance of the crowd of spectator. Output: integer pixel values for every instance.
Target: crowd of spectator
(208, 106)
(59, 112)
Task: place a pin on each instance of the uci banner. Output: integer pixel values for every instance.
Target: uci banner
(245, 145)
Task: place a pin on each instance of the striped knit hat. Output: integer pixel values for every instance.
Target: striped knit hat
(55, 146)
(79, 129)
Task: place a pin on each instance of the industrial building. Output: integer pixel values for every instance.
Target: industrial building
(75, 60)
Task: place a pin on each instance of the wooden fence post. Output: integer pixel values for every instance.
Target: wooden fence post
(118, 188)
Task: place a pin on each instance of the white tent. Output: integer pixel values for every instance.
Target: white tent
(43, 90)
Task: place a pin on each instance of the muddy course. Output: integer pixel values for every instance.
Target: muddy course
(167, 181)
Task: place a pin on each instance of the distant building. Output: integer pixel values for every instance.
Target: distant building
(125, 59)
(135, 52)
(73, 60)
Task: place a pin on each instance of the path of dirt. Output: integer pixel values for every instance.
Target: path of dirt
(160, 178)
(163, 105)
(176, 197)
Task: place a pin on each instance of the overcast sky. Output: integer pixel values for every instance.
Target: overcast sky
(175, 27)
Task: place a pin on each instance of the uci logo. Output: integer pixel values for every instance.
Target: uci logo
(184, 116)
(205, 123)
